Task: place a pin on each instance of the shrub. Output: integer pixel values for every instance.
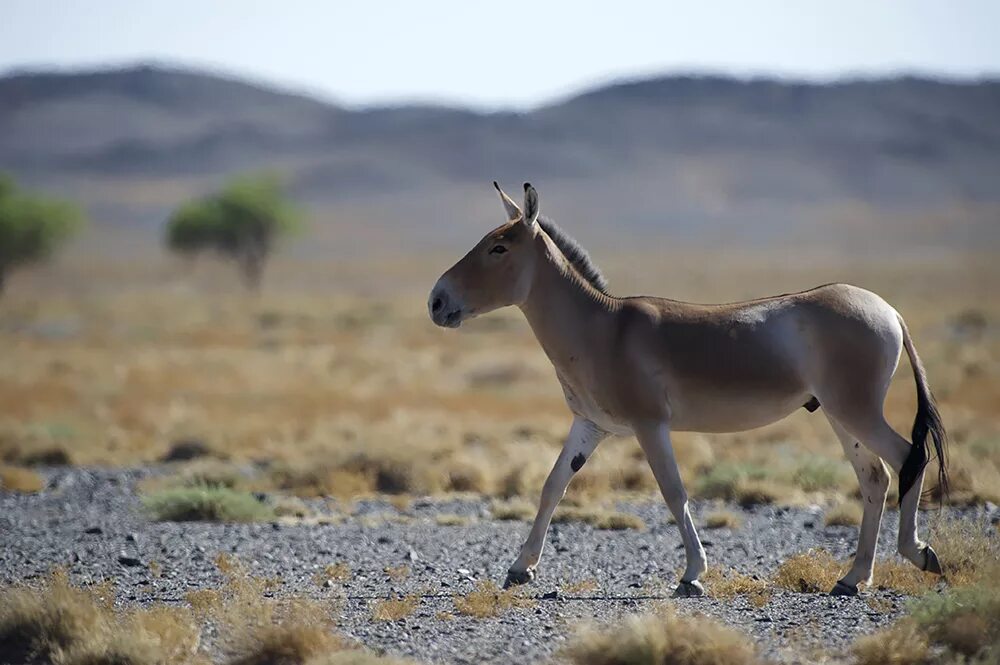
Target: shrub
(31, 227)
(242, 223)
(209, 504)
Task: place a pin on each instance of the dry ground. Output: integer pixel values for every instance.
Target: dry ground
(336, 378)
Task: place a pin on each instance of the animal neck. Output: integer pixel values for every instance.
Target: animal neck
(562, 306)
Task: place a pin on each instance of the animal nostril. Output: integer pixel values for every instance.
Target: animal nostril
(437, 304)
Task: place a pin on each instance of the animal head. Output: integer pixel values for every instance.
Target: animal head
(497, 272)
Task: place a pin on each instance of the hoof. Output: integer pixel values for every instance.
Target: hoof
(518, 577)
(842, 589)
(692, 589)
(931, 563)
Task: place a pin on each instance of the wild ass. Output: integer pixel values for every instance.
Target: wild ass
(651, 366)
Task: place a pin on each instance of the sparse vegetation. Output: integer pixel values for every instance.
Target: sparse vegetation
(17, 479)
(334, 572)
(488, 600)
(723, 519)
(581, 586)
(513, 511)
(729, 584)
(599, 519)
(846, 513)
(960, 624)
(659, 638)
(63, 624)
(393, 609)
(210, 504)
(815, 571)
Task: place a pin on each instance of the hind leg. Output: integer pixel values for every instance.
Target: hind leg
(873, 477)
(873, 431)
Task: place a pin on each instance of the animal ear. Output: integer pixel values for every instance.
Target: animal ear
(513, 212)
(530, 204)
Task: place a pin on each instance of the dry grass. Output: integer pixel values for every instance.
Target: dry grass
(960, 624)
(581, 586)
(815, 571)
(513, 511)
(397, 573)
(723, 519)
(333, 572)
(905, 644)
(660, 638)
(17, 479)
(336, 379)
(727, 585)
(598, 518)
(449, 519)
(62, 624)
(393, 609)
(488, 600)
(846, 513)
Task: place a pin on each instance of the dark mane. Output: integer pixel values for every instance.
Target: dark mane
(576, 255)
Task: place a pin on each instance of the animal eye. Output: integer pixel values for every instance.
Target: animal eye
(498, 249)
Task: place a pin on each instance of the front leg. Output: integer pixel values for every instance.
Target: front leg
(654, 438)
(580, 444)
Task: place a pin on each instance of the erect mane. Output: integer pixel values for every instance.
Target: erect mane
(575, 254)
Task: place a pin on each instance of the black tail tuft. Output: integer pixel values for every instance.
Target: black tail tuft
(927, 422)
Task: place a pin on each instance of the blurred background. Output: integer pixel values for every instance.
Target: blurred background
(220, 222)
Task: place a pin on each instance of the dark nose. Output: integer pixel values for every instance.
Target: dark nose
(437, 304)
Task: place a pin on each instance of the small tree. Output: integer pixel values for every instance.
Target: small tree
(31, 227)
(242, 223)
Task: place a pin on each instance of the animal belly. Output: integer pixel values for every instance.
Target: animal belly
(731, 413)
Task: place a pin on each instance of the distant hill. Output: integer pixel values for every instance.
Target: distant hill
(679, 155)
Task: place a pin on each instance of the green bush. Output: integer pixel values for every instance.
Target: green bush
(209, 504)
(242, 223)
(31, 227)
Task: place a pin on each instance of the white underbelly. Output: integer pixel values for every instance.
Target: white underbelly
(735, 414)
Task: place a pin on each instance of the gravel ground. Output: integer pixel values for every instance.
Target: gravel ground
(89, 521)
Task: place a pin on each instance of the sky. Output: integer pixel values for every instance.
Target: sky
(511, 54)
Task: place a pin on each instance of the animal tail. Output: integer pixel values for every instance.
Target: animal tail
(927, 421)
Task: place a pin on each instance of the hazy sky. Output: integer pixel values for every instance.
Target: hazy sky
(510, 53)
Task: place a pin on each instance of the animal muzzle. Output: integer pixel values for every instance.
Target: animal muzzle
(443, 308)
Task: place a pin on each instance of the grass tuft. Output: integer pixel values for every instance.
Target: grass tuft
(488, 600)
(18, 479)
(334, 572)
(659, 638)
(581, 586)
(209, 504)
(728, 585)
(723, 519)
(393, 609)
(63, 624)
(815, 571)
(599, 519)
(449, 519)
(848, 513)
(513, 510)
